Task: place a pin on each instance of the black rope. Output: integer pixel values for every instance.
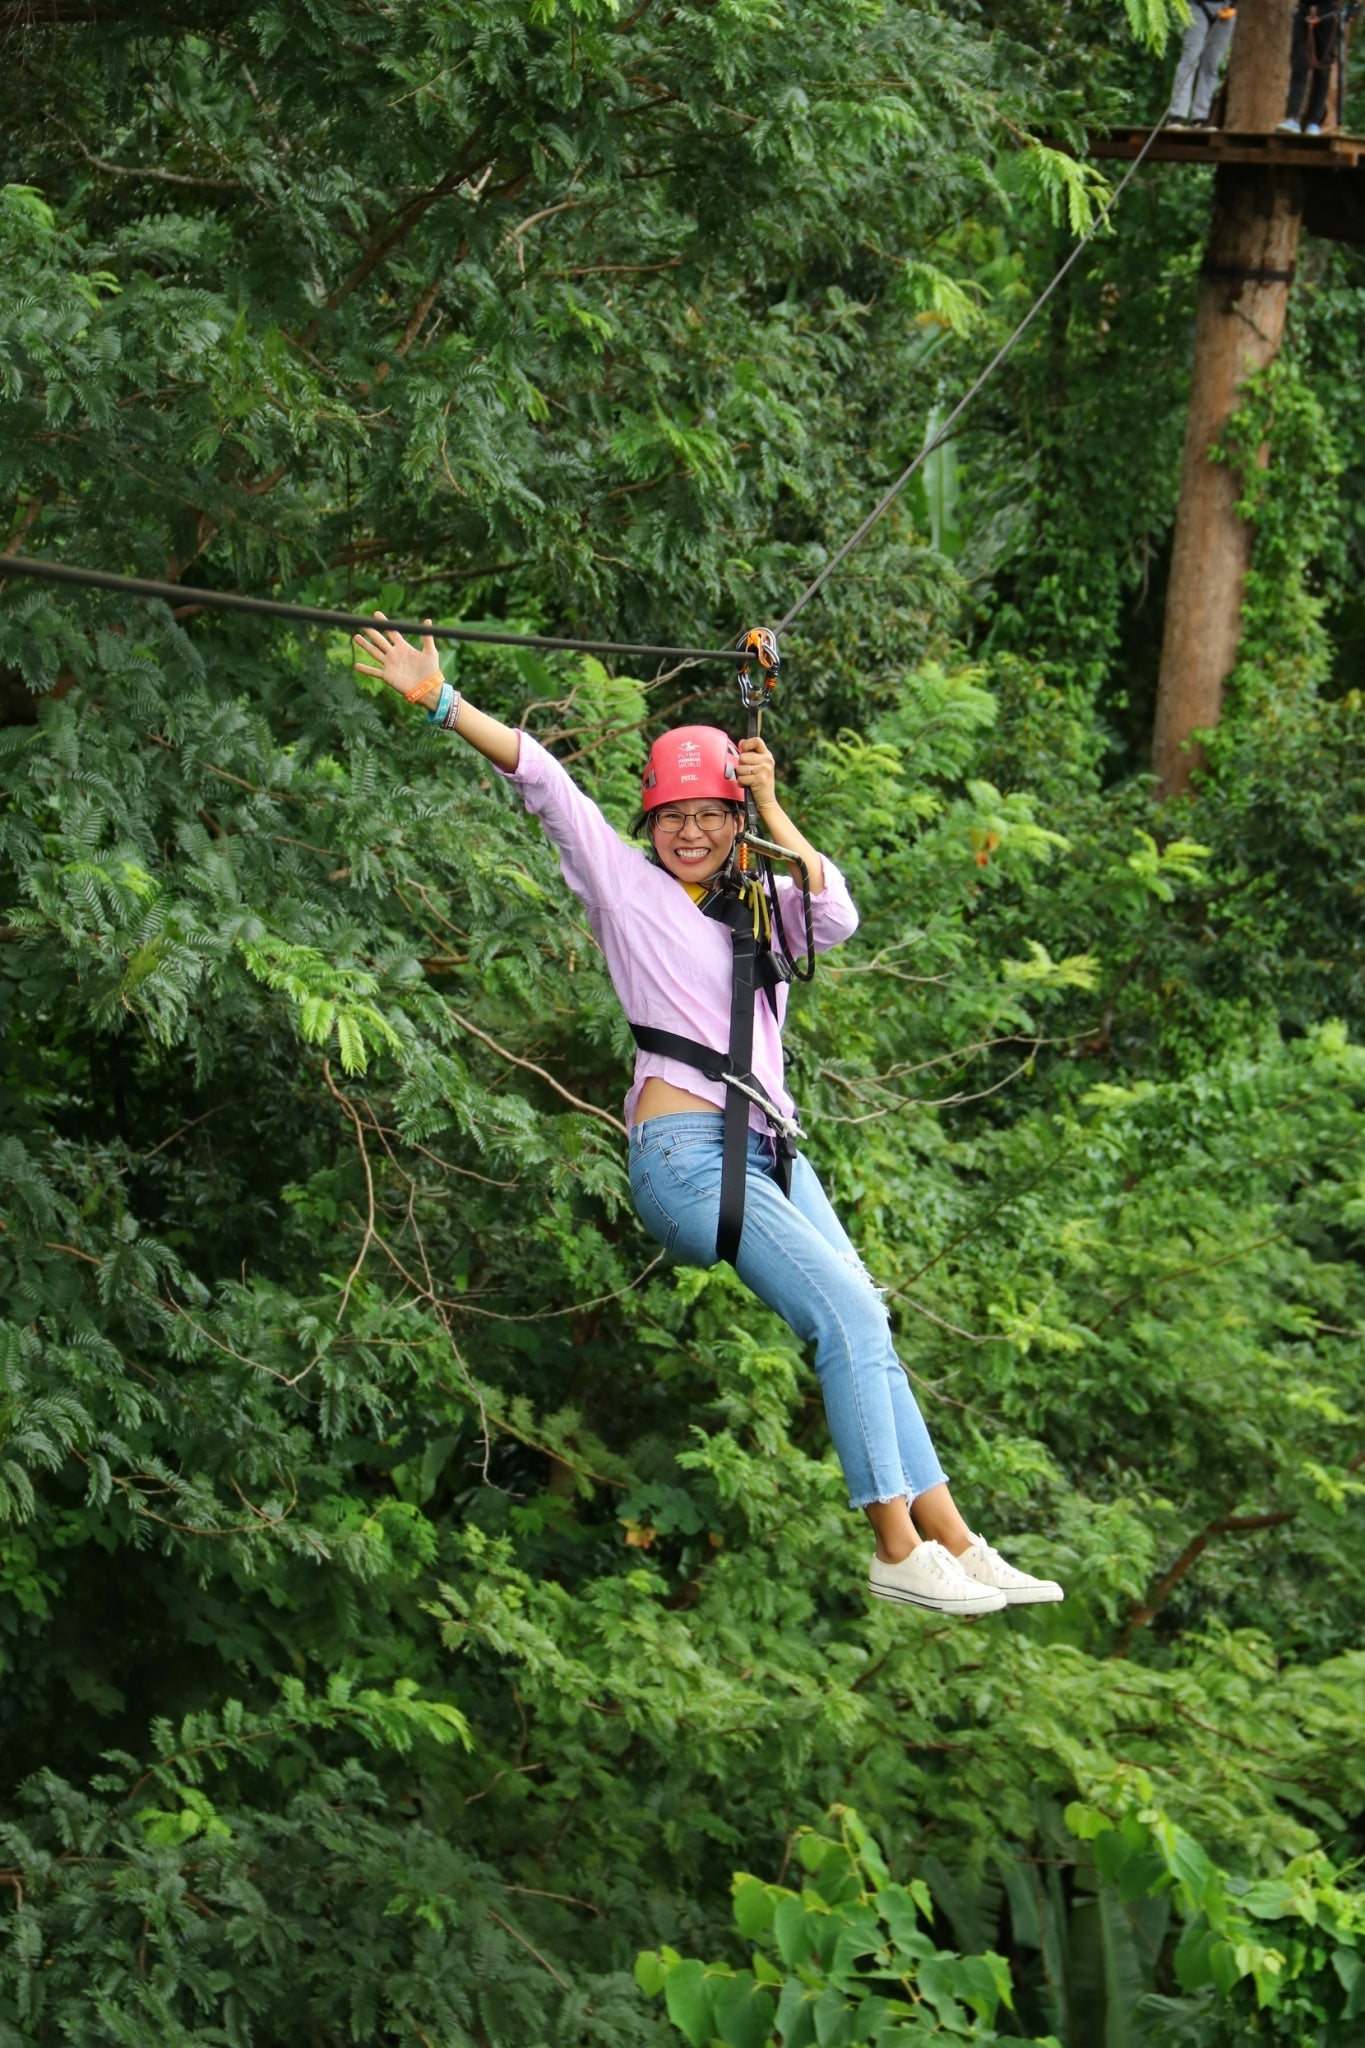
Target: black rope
(884, 504)
(350, 622)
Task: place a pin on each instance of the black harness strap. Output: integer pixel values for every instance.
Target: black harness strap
(741, 1088)
(734, 1157)
(770, 969)
(689, 1052)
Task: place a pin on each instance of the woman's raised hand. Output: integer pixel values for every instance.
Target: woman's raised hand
(401, 665)
(758, 772)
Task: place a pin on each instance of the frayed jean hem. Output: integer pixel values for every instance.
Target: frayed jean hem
(907, 1493)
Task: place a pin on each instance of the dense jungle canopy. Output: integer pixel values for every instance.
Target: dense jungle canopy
(417, 1601)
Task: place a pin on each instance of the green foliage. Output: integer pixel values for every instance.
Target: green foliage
(847, 1959)
(852, 1958)
(328, 998)
(1284, 642)
(149, 1908)
(1277, 1960)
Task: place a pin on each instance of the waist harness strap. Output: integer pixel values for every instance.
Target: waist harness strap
(734, 1157)
(741, 1088)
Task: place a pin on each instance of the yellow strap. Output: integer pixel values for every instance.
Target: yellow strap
(753, 893)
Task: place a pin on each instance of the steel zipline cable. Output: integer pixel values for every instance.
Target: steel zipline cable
(183, 594)
(885, 503)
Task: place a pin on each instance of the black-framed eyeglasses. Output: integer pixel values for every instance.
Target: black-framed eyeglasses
(710, 817)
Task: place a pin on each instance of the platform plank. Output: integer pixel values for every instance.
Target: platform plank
(1220, 146)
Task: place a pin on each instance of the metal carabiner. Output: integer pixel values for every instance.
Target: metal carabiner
(758, 646)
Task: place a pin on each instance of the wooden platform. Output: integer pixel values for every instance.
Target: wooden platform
(1218, 146)
(1334, 202)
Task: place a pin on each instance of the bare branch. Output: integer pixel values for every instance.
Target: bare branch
(27, 520)
(400, 226)
(588, 1108)
(193, 1124)
(512, 1771)
(566, 1898)
(899, 1294)
(371, 1235)
(418, 320)
(614, 269)
(1187, 1272)
(899, 1102)
(145, 171)
(1221, 1525)
(562, 1982)
(544, 1315)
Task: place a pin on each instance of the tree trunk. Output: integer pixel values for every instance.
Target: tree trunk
(1258, 67)
(1243, 298)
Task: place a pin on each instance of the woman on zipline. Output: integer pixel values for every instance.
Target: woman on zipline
(671, 967)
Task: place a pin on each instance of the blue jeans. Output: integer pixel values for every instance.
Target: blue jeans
(796, 1256)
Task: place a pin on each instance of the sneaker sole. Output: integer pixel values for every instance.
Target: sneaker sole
(1028, 1598)
(982, 1603)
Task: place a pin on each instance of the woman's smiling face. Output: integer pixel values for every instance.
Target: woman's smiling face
(693, 841)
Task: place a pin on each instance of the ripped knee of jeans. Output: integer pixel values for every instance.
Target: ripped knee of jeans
(854, 1261)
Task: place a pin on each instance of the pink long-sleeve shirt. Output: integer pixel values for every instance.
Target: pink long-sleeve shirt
(670, 965)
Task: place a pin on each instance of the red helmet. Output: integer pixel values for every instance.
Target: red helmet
(695, 761)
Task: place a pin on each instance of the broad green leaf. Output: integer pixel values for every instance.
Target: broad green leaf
(795, 2016)
(743, 2012)
(1350, 1971)
(754, 1907)
(688, 1995)
(795, 1932)
(835, 2019)
(650, 1974)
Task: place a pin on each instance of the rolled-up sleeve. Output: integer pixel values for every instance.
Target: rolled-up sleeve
(833, 917)
(593, 859)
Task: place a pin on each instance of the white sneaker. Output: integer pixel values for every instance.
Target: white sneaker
(932, 1577)
(986, 1567)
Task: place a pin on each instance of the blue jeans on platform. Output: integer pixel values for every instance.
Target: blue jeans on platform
(796, 1256)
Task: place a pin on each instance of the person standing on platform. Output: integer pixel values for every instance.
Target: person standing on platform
(1201, 58)
(1314, 58)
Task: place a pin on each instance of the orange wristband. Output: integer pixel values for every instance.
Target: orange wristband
(411, 695)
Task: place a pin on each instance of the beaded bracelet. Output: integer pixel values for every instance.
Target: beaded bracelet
(416, 690)
(448, 722)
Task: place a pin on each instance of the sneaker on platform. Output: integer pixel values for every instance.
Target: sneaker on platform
(986, 1567)
(1289, 126)
(1312, 129)
(932, 1577)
